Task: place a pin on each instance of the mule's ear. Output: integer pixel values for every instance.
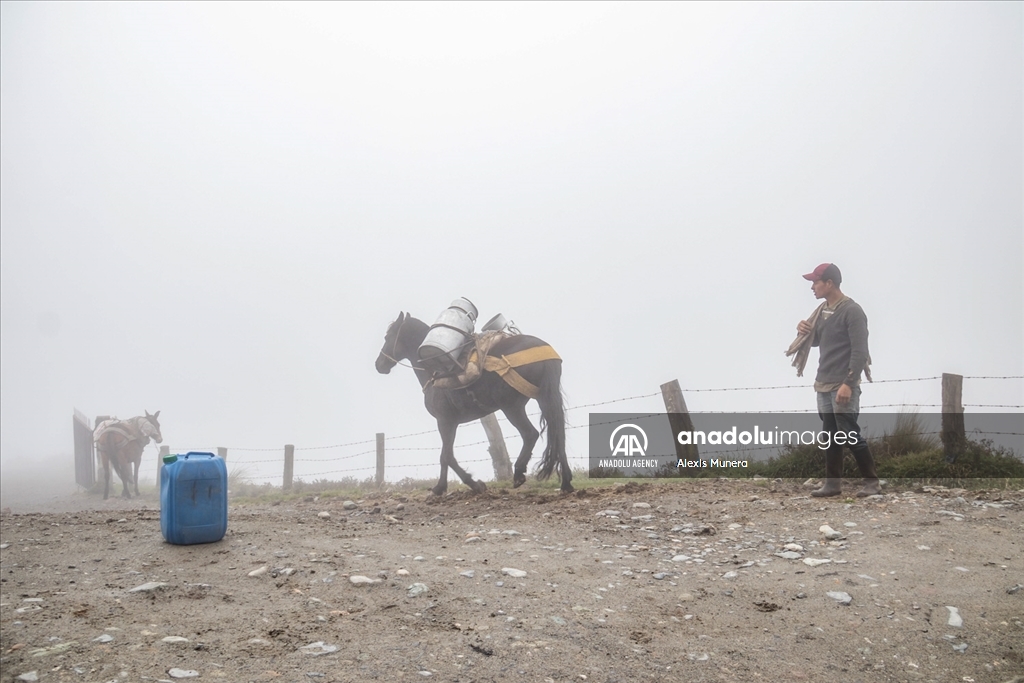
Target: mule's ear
(146, 412)
(156, 414)
(401, 316)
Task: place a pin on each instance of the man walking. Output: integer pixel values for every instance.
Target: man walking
(839, 329)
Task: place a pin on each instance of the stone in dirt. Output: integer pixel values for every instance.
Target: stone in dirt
(147, 587)
(358, 580)
(789, 555)
(28, 676)
(514, 573)
(53, 650)
(183, 673)
(418, 589)
(815, 562)
(830, 533)
(841, 597)
(349, 505)
(318, 648)
(258, 572)
(174, 639)
(955, 619)
(324, 515)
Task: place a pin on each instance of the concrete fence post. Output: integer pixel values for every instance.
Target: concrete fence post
(289, 464)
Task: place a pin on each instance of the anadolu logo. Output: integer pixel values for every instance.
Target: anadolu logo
(628, 443)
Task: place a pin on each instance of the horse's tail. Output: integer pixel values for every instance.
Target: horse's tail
(552, 412)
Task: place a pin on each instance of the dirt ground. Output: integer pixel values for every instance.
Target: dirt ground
(679, 581)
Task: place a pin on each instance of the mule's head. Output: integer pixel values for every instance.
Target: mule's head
(151, 427)
(393, 349)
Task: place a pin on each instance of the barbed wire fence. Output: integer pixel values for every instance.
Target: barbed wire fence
(248, 463)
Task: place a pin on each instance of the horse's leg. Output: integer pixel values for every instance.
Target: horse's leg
(448, 460)
(477, 486)
(517, 417)
(136, 461)
(447, 430)
(125, 472)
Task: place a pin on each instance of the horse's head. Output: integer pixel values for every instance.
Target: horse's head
(394, 348)
(151, 427)
(401, 342)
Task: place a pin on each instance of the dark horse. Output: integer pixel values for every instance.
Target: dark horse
(490, 393)
(120, 443)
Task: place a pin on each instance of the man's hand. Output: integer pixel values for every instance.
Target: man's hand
(844, 394)
(803, 327)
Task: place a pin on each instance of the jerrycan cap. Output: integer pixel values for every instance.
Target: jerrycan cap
(168, 459)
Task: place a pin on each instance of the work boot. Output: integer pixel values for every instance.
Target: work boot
(833, 485)
(866, 464)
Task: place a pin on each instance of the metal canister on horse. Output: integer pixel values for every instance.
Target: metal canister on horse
(452, 330)
(193, 498)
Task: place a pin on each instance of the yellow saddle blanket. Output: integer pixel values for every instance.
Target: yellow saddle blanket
(504, 366)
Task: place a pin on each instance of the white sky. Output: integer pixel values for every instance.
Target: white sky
(215, 210)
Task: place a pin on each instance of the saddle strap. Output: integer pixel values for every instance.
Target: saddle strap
(505, 366)
(121, 429)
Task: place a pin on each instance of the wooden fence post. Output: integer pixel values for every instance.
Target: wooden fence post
(289, 463)
(953, 437)
(380, 458)
(497, 449)
(678, 418)
(164, 450)
(223, 453)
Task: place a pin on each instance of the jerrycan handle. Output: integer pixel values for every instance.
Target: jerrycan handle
(205, 454)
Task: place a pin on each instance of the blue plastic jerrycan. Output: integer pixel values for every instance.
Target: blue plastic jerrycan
(193, 498)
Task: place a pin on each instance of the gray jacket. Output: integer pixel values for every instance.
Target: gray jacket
(842, 341)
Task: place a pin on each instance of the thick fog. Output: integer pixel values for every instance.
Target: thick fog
(216, 210)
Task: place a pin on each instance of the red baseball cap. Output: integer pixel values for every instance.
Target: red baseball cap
(825, 271)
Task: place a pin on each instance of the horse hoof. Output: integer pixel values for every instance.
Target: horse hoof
(479, 487)
(438, 491)
(567, 488)
(518, 480)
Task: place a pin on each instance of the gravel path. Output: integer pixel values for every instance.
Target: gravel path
(705, 581)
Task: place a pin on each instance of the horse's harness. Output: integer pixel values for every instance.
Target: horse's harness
(131, 431)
